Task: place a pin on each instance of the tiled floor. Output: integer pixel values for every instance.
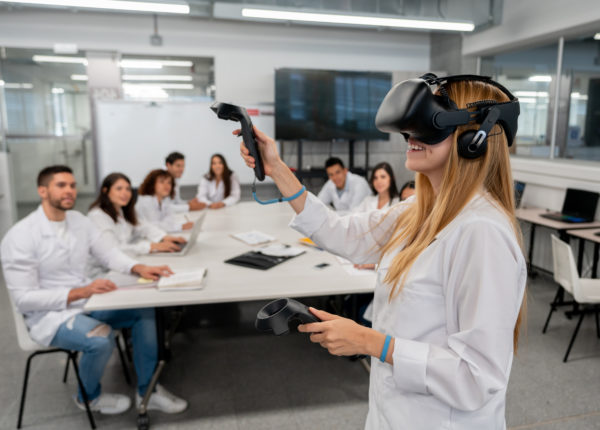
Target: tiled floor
(236, 378)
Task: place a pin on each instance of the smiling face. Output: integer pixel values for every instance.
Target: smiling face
(61, 191)
(120, 193)
(429, 159)
(176, 168)
(217, 167)
(162, 187)
(381, 181)
(337, 175)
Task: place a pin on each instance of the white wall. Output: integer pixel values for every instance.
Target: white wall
(534, 22)
(245, 54)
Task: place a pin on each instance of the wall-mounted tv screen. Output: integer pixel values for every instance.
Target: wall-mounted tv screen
(327, 104)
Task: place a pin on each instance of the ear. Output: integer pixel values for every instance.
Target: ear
(104, 190)
(42, 192)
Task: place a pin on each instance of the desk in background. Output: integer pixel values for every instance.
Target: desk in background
(583, 236)
(532, 216)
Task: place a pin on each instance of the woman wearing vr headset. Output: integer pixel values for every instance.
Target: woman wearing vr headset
(451, 273)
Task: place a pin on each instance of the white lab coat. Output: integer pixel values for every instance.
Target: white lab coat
(370, 203)
(355, 190)
(40, 268)
(160, 215)
(211, 192)
(177, 203)
(131, 239)
(452, 323)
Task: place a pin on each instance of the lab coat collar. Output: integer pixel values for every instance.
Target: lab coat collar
(46, 228)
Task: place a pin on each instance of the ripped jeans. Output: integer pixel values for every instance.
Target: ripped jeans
(90, 334)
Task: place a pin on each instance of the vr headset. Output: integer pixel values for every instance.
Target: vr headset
(412, 109)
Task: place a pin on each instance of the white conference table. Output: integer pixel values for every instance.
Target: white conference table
(223, 283)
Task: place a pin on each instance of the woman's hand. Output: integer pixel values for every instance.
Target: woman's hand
(196, 205)
(164, 246)
(341, 336)
(267, 149)
(187, 226)
(216, 205)
(151, 272)
(364, 266)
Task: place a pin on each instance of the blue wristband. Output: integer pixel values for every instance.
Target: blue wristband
(280, 199)
(386, 346)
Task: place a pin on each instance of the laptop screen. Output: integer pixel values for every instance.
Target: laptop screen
(519, 189)
(580, 203)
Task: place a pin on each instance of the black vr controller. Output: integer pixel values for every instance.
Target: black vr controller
(238, 113)
(277, 315)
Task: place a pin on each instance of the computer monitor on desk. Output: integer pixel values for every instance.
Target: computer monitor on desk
(579, 206)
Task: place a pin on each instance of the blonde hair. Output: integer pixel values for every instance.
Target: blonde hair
(417, 227)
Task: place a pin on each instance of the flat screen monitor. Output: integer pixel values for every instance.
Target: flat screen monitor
(323, 105)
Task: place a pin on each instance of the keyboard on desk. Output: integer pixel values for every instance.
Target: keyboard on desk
(564, 218)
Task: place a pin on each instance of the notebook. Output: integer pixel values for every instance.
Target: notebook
(578, 206)
(191, 280)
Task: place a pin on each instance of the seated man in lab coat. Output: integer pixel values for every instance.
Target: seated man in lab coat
(44, 258)
(175, 164)
(344, 190)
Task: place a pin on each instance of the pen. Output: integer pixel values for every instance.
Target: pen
(186, 218)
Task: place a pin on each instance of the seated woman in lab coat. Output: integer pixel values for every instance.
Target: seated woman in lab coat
(385, 192)
(113, 212)
(451, 277)
(220, 187)
(154, 207)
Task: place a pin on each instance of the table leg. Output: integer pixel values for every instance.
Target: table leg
(580, 256)
(595, 263)
(531, 241)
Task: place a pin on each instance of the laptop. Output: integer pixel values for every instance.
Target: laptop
(579, 206)
(191, 242)
(519, 190)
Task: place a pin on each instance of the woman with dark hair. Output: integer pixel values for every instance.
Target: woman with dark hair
(154, 207)
(113, 212)
(407, 190)
(385, 191)
(220, 187)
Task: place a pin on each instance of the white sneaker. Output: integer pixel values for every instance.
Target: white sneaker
(162, 400)
(107, 403)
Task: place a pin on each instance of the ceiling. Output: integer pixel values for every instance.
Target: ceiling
(483, 13)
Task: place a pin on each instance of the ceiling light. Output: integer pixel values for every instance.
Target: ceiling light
(145, 91)
(1, 83)
(79, 77)
(17, 86)
(58, 90)
(531, 94)
(597, 36)
(157, 78)
(59, 59)
(164, 86)
(540, 78)
(528, 100)
(371, 21)
(578, 96)
(153, 64)
(137, 6)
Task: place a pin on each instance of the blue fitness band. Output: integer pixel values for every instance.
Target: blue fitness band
(280, 199)
(386, 346)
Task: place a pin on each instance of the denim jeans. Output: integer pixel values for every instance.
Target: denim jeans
(78, 334)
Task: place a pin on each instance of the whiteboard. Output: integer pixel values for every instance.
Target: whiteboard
(134, 137)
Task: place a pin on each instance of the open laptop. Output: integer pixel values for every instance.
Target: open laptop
(193, 237)
(579, 206)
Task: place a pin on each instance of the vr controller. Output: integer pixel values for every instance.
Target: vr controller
(238, 113)
(277, 315)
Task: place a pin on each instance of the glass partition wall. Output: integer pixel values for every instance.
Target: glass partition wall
(47, 109)
(531, 74)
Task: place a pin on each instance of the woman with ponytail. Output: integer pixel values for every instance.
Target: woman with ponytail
(451, 274)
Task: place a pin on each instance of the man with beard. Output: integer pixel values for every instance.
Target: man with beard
(44, 258)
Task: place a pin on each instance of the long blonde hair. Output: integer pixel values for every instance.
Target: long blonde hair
(417, 227)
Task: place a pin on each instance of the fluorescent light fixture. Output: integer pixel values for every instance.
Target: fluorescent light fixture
(579, 96)
(164, 86)
(58, 90)
(597, 36)
(17, 86)
(369, 21)
(1, 83)
(153, 64)
(540, 78)
(135, 6)
(528, 100)
(79, 77)
(145, 91)
(59, 59)
(157, 77)
(531, 93)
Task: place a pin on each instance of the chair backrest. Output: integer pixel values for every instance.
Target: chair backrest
(565, 269)
(26, 343)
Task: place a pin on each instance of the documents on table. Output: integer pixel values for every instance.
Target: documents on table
(281, 250)
(253, 237)
(348, 266)
(191, 280)
(308, 242)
